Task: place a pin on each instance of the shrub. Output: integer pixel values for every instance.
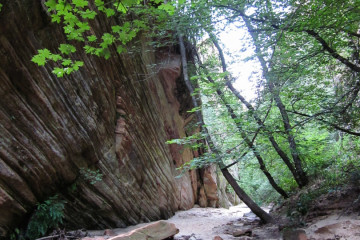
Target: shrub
(48, 215)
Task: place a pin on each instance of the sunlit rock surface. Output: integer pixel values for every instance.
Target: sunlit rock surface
(113, 115)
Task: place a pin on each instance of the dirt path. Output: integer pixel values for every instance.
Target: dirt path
(201, 223)
(205, 223)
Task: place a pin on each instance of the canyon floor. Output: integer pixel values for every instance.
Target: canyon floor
(207, 223)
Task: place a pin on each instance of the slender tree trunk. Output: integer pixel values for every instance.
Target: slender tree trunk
(250, 144)
(279, 151)
(264, 216)
(300, 174)
(293, 148)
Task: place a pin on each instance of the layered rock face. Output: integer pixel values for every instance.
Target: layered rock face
(113, 116)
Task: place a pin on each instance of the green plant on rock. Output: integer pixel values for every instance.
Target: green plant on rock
(91, 176)
(48, 215)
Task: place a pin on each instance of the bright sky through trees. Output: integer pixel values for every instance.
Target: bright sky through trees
(235, 42)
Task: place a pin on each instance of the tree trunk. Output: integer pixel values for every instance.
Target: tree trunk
(300, 174)
(264, 216)
(271, 138)
(293, 148)
(251, 145)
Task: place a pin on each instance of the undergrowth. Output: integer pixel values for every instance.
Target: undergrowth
(48, 215)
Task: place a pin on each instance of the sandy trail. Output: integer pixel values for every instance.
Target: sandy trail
(205, 223)
(202, 223)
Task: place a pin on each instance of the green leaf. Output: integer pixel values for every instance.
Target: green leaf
(55, 18)
(80, 3)
(120, 49)
(66, 62)
(75, 35)
(67, 48)
(116, 28)
(131, 35)
(108, 38)
(78, 64)
(83, 26)
(170, 9)
(109, 12)
(89, 49)
(99, 4)
(39, 60)
(69, 29)
(51, 4)
(88, 14)
(59, 72)
(45, 52)
(68, 70)
(98, 51)
(55, 57)
(42, 56)
(140, 24)
(126, 26)
(120, 7)
(70, 19)
(60, 7)
(91, 38)
(130, 3)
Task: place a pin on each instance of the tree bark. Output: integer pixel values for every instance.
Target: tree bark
(264, 216)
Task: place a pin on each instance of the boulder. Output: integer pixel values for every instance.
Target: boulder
(242, 232)
(109, 232)
(155, 231)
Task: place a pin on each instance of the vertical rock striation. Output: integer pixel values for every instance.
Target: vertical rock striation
(113, 115)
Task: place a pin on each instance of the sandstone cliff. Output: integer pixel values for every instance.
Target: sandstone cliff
(113, 115)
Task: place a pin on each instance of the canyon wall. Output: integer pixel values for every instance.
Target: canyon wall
(112, 116)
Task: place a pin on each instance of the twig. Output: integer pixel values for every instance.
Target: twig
(49, 237)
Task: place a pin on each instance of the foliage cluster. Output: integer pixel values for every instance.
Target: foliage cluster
(77, 17)
(91, 176)
(307, 87)
(47, 216)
